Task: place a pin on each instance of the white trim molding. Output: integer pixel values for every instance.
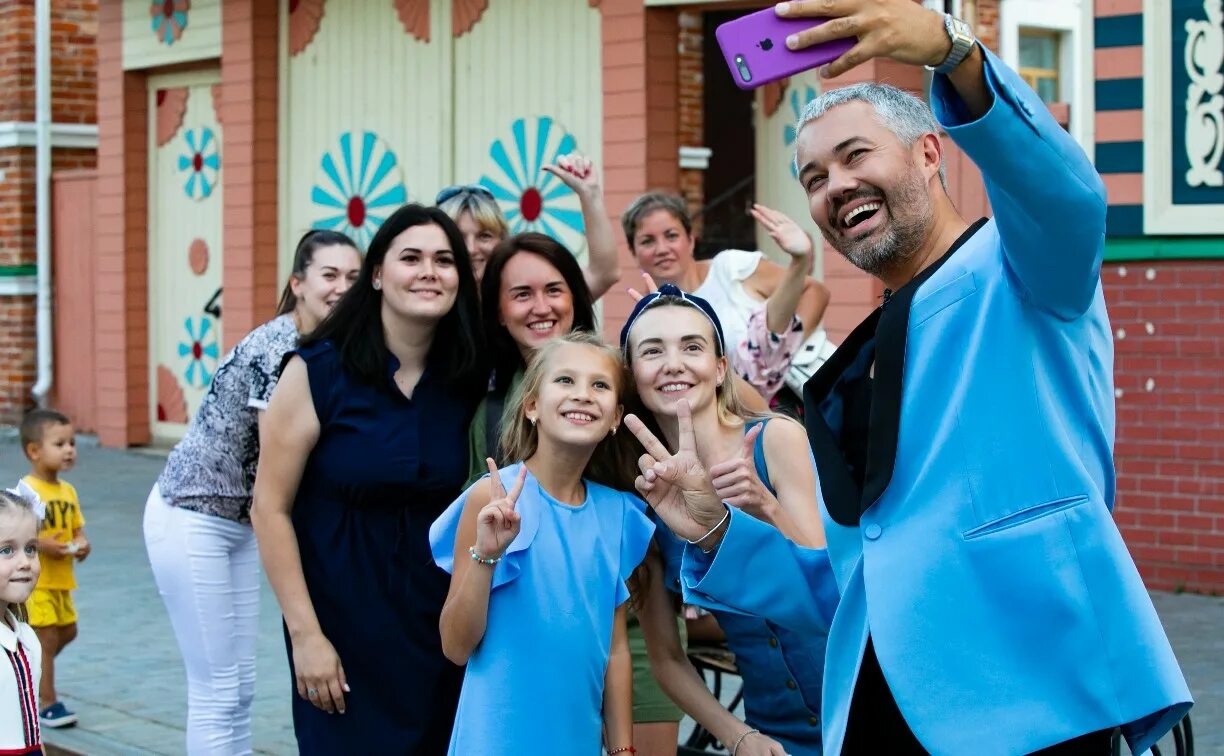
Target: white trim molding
(1202, 134)
(18, 286)
(66, 135)
(695, 157)
(1074, 52)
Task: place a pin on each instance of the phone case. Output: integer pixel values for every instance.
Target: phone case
(754, 47)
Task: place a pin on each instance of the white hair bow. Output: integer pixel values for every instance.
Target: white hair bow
(27, 494)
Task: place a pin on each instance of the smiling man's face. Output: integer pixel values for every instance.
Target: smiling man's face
(868, 192)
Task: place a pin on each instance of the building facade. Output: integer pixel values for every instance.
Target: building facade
(227, 128)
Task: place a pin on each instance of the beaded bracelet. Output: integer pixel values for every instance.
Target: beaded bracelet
(622, 749)
(741, 739)
(482, 560)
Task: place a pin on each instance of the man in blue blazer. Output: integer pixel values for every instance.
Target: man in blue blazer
(978, 596)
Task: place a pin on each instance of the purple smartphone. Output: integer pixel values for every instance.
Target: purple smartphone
(755, 48)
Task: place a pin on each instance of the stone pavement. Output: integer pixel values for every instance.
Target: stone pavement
(125, 679)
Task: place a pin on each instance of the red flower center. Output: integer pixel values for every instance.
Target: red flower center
(197, 351)
(197, 162)
(168, 8)
(530, 204)
(356, 212)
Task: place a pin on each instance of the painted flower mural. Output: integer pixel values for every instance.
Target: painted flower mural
(201, 161)
(532, 199)
(788, 131)
(169, 19)
(200, 351)
(359, 185)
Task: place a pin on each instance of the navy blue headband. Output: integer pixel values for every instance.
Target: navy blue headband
(671, 290)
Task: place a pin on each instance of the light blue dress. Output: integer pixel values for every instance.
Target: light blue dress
(535, 683)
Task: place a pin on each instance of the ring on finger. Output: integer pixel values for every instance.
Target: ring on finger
(312, 692)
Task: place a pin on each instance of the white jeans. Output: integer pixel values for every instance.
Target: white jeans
(207, 571)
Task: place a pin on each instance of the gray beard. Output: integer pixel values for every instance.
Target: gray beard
(909, 217)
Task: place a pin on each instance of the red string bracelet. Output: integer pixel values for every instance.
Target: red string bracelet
(622, 749)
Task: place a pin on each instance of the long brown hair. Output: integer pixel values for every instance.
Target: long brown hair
(303, 256)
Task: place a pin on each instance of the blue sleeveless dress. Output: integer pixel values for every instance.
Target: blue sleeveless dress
(383, 469)
(782, 670)
(535, 683)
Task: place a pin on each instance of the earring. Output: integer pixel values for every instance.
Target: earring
(613, 430)
(377, 284)
(533, 421)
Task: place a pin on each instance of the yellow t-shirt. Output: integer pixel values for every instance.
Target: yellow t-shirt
(62, 520)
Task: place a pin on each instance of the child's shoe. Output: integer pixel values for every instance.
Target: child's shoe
(57, 715)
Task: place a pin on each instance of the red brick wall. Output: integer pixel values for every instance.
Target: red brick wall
(17, 206)
(17, 356)
(1170, 437)
(74, 27)
(691, 90)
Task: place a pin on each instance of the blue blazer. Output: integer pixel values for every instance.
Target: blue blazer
(980, 552)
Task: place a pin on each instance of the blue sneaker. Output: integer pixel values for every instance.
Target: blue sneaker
(57, 715)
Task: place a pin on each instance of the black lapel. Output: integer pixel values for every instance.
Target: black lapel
(884, 331)
(822, 412)
(887, 388)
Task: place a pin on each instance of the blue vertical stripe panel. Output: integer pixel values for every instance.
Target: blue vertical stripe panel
(1118, 31)
(1119, 157)
(1123, 221)
(1119, 94)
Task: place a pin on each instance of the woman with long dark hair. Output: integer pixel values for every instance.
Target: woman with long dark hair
(363, 447)
(197, 520)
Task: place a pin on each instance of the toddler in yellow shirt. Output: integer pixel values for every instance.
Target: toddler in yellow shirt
(49, 442)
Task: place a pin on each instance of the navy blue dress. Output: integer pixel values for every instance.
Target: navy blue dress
(383, 469)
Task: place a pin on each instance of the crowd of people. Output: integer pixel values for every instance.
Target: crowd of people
(423, 450)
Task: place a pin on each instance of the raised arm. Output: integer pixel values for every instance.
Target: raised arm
(488, 525)
(288, 431)
(1035, 173)
(1048, 200)
(603, 268)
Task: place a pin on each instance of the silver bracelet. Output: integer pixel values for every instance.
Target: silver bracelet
(716, 527)
(741, 738)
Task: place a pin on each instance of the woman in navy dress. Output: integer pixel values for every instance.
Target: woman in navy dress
(364, 444)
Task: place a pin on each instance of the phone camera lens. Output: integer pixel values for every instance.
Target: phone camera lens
(742, 66)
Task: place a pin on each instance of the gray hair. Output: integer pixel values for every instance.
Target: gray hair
(900, 112)
(647, 204)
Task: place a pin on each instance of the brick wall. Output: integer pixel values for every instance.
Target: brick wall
(17, 356)
(691, 115)
(74, 26)
(1168, 320)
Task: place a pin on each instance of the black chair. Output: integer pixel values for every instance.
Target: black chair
(716, 660)
(1183, 740)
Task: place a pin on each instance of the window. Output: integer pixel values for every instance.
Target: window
(1039, 62)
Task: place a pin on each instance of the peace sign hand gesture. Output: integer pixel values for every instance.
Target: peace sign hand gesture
(497, 523)
(737, 483)
(649, 284)
(677, 485)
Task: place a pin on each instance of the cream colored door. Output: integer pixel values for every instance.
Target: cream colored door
(186, 168)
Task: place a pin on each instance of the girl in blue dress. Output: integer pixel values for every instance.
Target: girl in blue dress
(537, 600)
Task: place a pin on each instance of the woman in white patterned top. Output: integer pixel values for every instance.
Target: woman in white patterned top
(197, 520)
